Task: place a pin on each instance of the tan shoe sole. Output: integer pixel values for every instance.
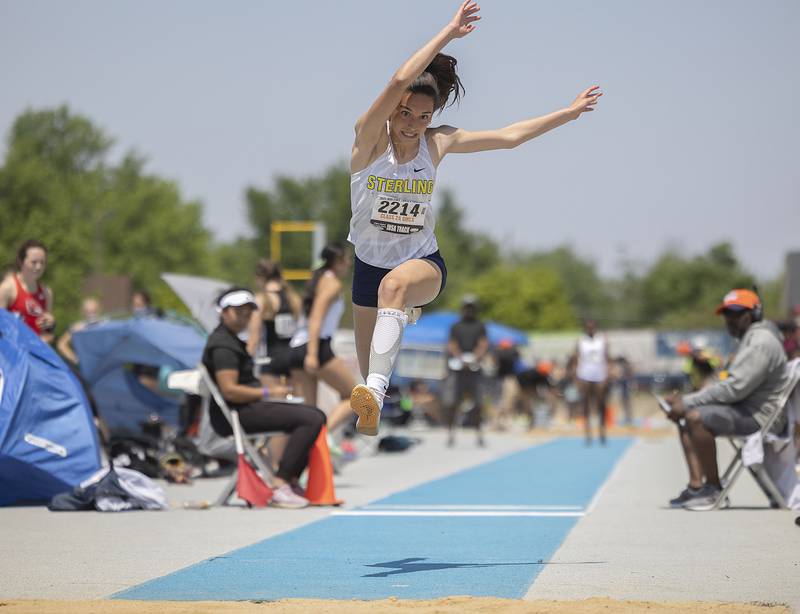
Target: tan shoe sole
(366, 407)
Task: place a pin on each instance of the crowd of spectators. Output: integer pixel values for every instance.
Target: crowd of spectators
(291, 335)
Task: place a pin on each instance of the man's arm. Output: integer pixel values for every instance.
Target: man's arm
(748, 371)
(453, 347)
(482, 347)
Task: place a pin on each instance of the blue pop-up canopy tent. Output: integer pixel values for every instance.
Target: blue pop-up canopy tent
(434, 329)
(422, 354)
(107, 350)
(48, 442)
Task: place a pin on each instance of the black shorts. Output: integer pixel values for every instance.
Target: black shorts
(297, 355)
(279, 361)
(367, 278)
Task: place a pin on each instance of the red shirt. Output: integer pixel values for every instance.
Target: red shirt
(29, 305)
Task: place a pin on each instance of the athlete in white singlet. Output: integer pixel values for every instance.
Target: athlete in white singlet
(393, 173)
(592, 373)
(311, 356)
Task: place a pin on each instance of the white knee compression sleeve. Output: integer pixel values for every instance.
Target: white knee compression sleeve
(385, 345)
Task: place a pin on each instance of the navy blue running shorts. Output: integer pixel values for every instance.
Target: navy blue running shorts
(367, 278)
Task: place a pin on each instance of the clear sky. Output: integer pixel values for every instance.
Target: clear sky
(695, 141)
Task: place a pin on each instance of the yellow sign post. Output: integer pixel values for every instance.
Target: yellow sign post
(279, 228)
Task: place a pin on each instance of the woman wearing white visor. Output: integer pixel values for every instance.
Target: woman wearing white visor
(227, 360)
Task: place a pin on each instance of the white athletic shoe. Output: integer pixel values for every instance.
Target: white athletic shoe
(286, 498)
(366, 406)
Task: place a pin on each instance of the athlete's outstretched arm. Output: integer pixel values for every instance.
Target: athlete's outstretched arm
(370, 125)
(455, 140)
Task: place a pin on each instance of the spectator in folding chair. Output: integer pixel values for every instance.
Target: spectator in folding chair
(738, 405)
(226, 359)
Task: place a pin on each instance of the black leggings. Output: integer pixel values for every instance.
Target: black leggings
(470, 383)
(301, 422)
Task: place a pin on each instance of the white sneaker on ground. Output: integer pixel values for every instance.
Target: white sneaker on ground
(286, 498)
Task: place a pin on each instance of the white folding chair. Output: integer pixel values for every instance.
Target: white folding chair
(758, 471)
(199, 382)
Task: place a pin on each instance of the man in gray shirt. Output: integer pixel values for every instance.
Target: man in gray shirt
(739, 404)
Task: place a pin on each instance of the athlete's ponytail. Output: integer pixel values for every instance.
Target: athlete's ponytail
(330, 255)
(439, 81)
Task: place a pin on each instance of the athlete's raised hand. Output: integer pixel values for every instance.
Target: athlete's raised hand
(463, 21)
(585, 101)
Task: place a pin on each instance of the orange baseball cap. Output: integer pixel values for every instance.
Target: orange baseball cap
(739, 299)
(544, 367)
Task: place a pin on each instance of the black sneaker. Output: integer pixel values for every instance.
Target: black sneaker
(687, 494)
(706, 500)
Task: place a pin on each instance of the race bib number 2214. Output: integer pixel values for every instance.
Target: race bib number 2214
(398, 216)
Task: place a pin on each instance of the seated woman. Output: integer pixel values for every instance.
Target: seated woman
(231, 367)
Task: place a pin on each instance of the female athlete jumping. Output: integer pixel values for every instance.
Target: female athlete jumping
(393, 170)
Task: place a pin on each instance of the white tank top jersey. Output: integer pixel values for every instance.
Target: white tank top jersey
(592, 365)
(392, 218)
(330, 322)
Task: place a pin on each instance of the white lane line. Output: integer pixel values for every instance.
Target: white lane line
(496, 508)
(451, 514)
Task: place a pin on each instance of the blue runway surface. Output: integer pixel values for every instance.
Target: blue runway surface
(485, 531)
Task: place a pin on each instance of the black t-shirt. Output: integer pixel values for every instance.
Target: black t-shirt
(467, 333)
(506, 360)
(531, 378)
(224, 350)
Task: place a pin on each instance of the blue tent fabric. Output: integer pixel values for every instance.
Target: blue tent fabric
(48, 442)
(107, 349)
(434, 329)
(142, 340)
(125, 404)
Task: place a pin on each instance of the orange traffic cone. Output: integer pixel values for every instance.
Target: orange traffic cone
(319, 489)
(611, 418)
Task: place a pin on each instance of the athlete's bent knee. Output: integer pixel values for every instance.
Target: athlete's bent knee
(392, 290)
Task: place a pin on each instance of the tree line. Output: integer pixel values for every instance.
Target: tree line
(58, 183)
